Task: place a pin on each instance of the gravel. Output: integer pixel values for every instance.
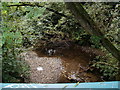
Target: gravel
(43, 69)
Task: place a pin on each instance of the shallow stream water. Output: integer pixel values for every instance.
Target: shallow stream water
(61, 65)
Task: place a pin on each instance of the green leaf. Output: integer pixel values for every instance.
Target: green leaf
(28, 8)
(4, 6)
(35, 12)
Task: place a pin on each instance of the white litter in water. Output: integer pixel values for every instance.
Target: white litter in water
(39, 68)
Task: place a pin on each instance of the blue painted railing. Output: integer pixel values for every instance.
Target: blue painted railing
(113, 85)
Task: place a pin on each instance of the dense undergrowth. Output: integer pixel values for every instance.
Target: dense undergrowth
(26, 26)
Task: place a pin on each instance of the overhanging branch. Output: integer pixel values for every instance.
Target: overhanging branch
(49, 9)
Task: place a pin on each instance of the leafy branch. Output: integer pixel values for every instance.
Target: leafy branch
(49, 9)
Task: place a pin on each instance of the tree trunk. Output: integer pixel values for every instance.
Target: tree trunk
(91, 27)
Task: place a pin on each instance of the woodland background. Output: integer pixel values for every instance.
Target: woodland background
(25, 24)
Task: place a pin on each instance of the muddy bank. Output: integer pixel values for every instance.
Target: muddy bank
(61, 65)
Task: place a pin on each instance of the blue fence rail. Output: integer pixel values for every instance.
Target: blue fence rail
(113, 85)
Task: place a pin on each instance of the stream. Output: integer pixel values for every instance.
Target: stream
(61, 65)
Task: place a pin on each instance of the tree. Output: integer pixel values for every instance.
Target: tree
(90, 26)
(27, 24)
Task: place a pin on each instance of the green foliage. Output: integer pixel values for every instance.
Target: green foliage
(106, 16)
(108, 67)
(11, 39)
(34, 12)
(13, 68)
(96, 41)
(25, 26)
